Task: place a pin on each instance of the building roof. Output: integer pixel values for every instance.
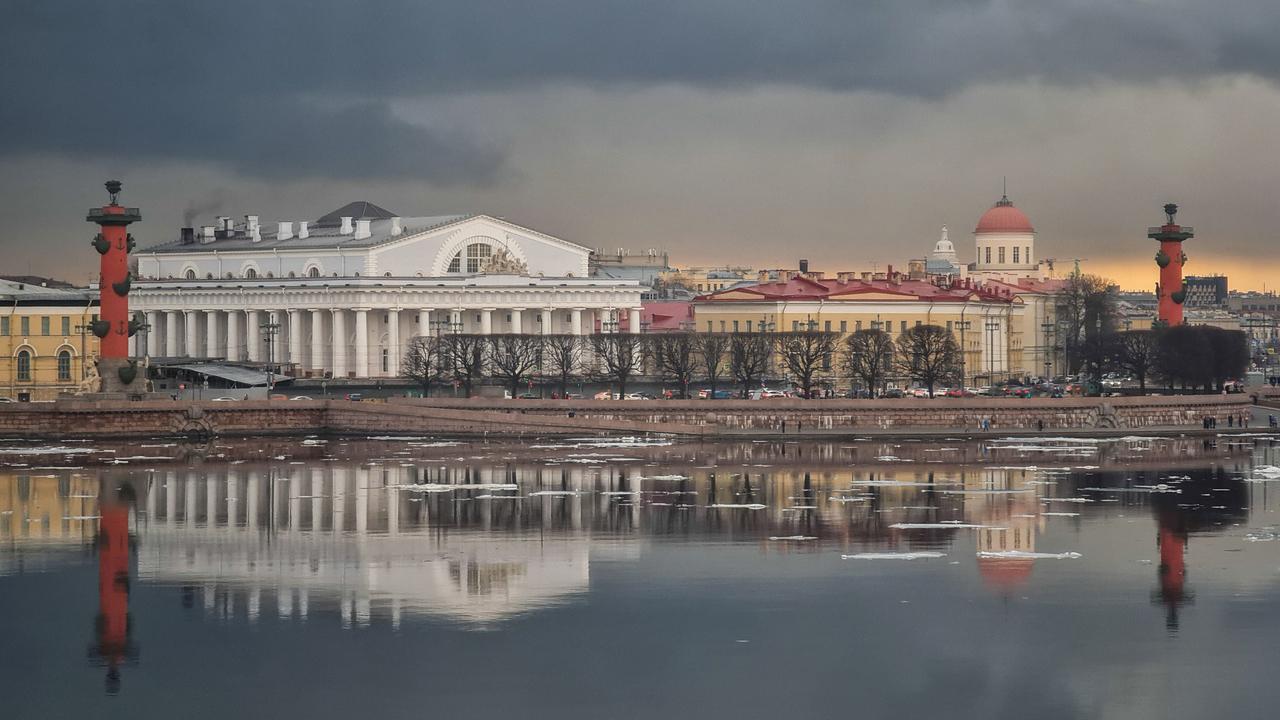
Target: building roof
(1044, 286)
(666, 315)
(319, 236)
(25, 293)
(1004, 218)
(802, 287)
(358, 210)
(248, 377)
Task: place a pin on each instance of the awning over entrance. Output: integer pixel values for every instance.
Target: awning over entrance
(243, 376)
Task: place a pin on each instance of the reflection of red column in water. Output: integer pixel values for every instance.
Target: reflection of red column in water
(1173, 569)
(112, 645)
(1170, 292)
(113, 243)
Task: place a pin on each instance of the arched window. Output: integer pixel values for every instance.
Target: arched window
(229, 276)
(250, 273)
(64, 365)
(24, 365)
(313, 271)
(191, 274)
(386, 274)
(208, 276)
(270, 274)
(292, 274)
(471, 260)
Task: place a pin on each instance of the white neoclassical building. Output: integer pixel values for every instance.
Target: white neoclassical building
(345, 293)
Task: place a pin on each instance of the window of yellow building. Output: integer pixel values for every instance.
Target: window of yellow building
(64, 365)
(735, 326)
(66, 325)
(4, 326)
(24, 365)
(26, 325)
(44, 326)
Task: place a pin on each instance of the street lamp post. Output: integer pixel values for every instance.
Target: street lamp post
(991, 326)
(270, 330)
(962, 326)
(610, 324)
(1047, 350)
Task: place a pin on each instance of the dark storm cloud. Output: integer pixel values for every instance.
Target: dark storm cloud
(298, 88)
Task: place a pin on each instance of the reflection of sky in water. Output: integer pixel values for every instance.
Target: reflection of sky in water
(321, 580)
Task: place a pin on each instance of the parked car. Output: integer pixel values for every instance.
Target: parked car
(959, 392)
(299, 397)
(920, 392)
(765, 394)
(278, 396)
(224, 399)
(6, 400)
(892, 393)
(354, 396)
(605, 395)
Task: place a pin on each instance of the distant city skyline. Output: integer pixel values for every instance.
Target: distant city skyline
(847, 134)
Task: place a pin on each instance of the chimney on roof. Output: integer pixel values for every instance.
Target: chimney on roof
(286, 230)
(396, 227)
(188, 236)
(346, 225)
(303, 233)
(363, 229)
(206, 234)
(804, 265)
(251, 228)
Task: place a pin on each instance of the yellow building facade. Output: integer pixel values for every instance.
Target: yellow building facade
(46, 344)
(986, 323)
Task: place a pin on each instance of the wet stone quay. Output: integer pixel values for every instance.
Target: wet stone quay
(625, 577)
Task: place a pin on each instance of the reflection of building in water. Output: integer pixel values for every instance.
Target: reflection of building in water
(43, 513)
(1013, 519)
(308, 537)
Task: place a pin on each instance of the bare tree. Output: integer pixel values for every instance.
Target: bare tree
(749, 356)
(424, 362)
(675, 357)
(514, 358)
(1136, 353)
(1087, 308)
(929, 355)
(620, 355)
(712, 349)
(805, 353)
(867, 358)
(464, 358)
(563, 356)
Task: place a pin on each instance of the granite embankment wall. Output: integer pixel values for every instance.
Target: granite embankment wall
(694, 418)
(862, 415)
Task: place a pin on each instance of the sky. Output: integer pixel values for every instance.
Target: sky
(724, 131)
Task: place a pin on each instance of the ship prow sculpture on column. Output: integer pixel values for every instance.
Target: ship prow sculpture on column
(120, 374)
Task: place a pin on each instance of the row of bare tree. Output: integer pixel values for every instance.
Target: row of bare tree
(927, 354)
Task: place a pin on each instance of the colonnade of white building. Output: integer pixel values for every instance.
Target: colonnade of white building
(354, 333)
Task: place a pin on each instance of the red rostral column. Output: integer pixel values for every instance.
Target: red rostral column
(114, 327)
(1170, 258)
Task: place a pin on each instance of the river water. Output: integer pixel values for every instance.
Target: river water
(418, 577)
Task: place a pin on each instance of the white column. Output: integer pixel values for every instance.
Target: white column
(577, 321)
(394, 352)
(153, 333)
(486, 321)
(339, 343)
(234, 342)
(546, 315)
(211, 334)
(295, 338)
(253, 335)
(424, 322)
(171, 334)
(517, 320)
(317, 340)
(192, 346)
(362, 343)
(633, 321)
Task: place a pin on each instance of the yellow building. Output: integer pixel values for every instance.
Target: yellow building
(48, 507)
(706, 280)
(987, 322)
(46, 344)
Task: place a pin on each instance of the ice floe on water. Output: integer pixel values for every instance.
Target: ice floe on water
(793, 538)
(555, 493)
(443, 488)
(665, 478)
(1263, 535)
(902, 483)
(1068, 500)
(944, 526)
(48, 450)
(741, 506)
(1161, 488)
(984, 492)
(1024, 555)
(894, 556)
(1060, 514)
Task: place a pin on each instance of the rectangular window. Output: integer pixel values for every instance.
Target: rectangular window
(1015, 256)
(827, 326)
(44, 325)
(4, 326)
(66, 325)
(948, 326)
(721, 326)
(1027, 254)
(749, 326)
(857, 325)
(708, 326)
(918, 323)
(988, 260)
(844, 326)
(735, 326)
(1001, 251)
(904, 326)
(26, 326)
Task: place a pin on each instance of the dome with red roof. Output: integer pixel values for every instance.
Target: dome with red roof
(1004, 218)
